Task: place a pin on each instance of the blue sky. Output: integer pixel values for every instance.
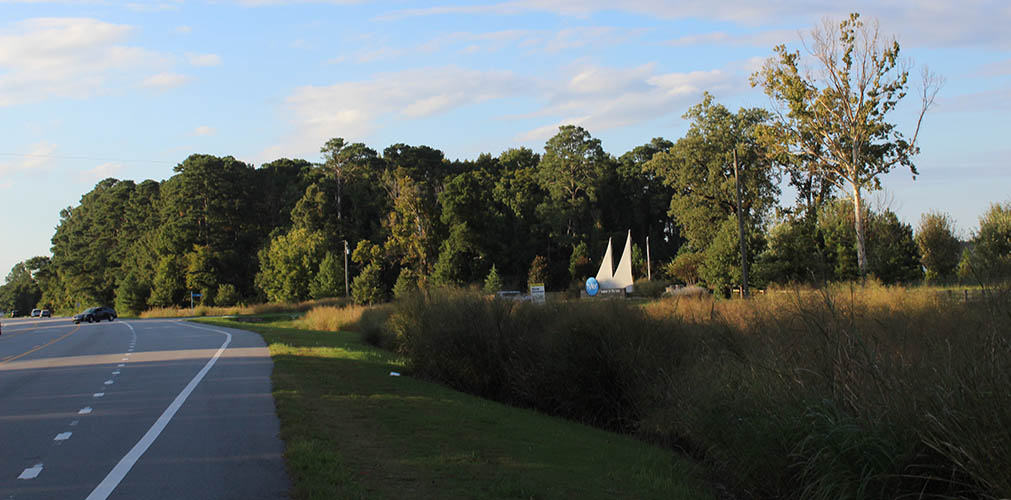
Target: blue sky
(96, 89)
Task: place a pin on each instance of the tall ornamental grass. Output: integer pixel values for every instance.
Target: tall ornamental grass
(845, 392)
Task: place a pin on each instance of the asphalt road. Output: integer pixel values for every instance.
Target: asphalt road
(136, 409)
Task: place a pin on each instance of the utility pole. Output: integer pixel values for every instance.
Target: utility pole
(649, 272)
(346, 252)
(740, 231)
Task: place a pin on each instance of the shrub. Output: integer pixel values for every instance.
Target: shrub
(939, 248)
(367, 287)
(407, 283)
(226, 295)
(493, 283)
(845, 392)
(650, 288)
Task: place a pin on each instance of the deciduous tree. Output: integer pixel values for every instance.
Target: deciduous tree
(835, 121)
(940, 249)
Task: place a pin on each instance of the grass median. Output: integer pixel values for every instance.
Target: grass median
(351, 430)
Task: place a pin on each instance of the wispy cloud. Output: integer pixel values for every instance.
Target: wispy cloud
(475, 43)
(184, 30)
(597, 97)
(153, 6)
(769, 38)
(926, 22)
(204, 130)
(164, 81)
(103, 171)
(354, 107)
(46, 58)
(203, 59)
(38, 157)
(999, 68)
(264, 3)
(603, 98)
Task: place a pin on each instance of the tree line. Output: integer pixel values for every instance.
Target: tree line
(409, 217)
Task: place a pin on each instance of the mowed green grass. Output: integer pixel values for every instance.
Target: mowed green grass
(351, 430)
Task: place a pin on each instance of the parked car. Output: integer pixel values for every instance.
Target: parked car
(93, 314)
(36, 313)
(45, 314)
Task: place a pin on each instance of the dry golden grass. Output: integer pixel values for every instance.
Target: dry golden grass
(850, 391)
(331, 318)
(268, 308)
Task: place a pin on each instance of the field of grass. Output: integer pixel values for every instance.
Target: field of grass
(846, 392)
(352, 430)
(244, 310)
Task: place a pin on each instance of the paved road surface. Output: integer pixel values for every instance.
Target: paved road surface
(136, 409)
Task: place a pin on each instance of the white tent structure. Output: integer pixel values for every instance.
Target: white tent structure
(621, 277)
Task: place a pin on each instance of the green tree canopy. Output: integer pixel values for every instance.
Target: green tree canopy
(699, 168)
(289, 264)
(834, 122)
(940, 249)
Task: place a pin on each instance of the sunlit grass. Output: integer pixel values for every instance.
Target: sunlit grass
(354, 431)
(851, 391)
(243, 310)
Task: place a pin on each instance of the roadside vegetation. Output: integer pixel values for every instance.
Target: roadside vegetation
(243, 310)
(352, 430)
(842, 392)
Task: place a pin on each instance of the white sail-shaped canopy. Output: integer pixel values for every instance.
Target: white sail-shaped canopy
(604, 274)
(623, 275)
(607, 278)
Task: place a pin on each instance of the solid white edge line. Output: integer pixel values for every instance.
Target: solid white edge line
(116, 475)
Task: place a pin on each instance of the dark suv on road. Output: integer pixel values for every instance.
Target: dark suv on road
(95, 314)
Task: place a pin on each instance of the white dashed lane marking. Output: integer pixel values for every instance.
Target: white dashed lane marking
(99, 394)
(63, 436)
(84, 411)
(31, 472)
(115, 372)
(108, 382)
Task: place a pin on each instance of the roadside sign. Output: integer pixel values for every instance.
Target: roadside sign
(537, 293)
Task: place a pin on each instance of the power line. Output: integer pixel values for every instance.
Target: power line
(57, 157)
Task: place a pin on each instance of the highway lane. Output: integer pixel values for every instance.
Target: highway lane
(138, 409)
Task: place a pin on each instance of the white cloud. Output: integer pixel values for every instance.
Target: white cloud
(153, 6)
(164, 81)
(46, 58)
(103, 171)
(204, 130)
(356, 109)
(597, 97)
(184, 30)
(769, 38)
(601, 98)
(262, 3)
(926, 22)
(39, 157)
(203, 59)
(471, 43)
